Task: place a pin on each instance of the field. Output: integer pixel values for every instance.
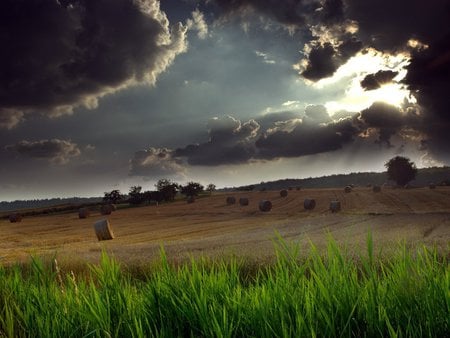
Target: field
(210, 227)
(385, 273)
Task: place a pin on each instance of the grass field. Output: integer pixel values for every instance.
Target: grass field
(233, 271)
(330, 294)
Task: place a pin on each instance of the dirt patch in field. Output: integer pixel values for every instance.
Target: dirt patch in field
(211, 227)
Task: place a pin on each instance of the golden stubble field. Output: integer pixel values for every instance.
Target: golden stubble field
(211, 227)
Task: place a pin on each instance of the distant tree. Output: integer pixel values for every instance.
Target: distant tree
(135, 196)
(192, 189)
(113, 196)
(401, 170)
(167, 189)
(211, 187)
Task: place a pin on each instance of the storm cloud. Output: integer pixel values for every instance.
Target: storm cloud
(59, 55)
(230, 142)
(375, 81)
(55, 150)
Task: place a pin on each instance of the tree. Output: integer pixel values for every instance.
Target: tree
(113, 197)
(167, 189)
(192, 189)
(135, 195)
(211, 187)
(401, 170)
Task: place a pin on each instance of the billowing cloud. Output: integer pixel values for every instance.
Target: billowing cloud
(230, 142)
(375, 81)
(59, 55)
(198, 24)
(156, 163)
(306, 139)
(55, 150)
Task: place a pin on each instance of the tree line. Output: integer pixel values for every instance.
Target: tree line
(166, 190)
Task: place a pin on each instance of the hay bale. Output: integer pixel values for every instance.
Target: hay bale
(190, 199)
(298, 188)
(243, 201)
(376, 188)
(103, 230)
(290, 188)
(335, 206)
(15, 217)
(265, 205)
(348, 189)
(432, 186)
(231, 200)
(106, 209)
(309, 203)
(283, 193)
(83, 213)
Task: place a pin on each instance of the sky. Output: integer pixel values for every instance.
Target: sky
(97, 95)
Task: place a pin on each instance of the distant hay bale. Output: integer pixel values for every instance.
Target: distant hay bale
(376, 188)
(290, 188)
(298, 188)
(283, 193)
(243, 201)
(231, 200)
(335, 206)
(15, 217)
(309, 203)
(106, 209)
(348, 189)
(103, 230)
(432, 186)
(83, 213)
(190, 199)
(265, 205)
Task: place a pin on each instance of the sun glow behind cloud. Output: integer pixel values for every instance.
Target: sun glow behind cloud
(353, 72)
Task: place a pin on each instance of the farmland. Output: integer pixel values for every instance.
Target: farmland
(211, 227)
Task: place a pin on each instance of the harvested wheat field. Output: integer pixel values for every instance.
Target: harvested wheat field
(212, 227)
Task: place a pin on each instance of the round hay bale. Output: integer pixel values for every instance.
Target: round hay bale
(283, 193)
(106, 209)
(103, 230)
(432, 186)
(231, 200)
(15, 217)
(376, 188)
(243, 201)
(309, 203)
(83, 213)
(335, 206)
(348, 189)
(290, 188)
(265, 205)
(298, 188)
(190, 199)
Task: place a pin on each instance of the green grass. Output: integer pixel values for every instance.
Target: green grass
(325, 294)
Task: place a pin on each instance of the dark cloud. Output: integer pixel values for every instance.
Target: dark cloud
(428, 78)
(57, 55)
(306, 139)
(230, 142)
(385, 118)
(290, 12)
(375, 81)
(156, 163)
(55, 150)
